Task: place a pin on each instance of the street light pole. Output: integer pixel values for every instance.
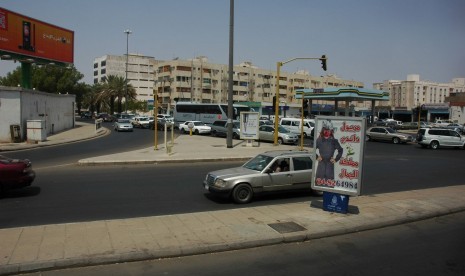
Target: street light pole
(127, 32)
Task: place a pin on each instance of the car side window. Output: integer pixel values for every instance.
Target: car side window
(444, 132)
(302, 163)
(454, 133)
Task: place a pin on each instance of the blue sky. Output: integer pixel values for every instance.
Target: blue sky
(365, 40)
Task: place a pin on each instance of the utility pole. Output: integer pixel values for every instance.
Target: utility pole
(127, 32)
(230, 81)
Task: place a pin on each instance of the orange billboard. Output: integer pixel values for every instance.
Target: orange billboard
(29, 37)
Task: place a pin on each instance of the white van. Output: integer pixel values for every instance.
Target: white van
(293, 125)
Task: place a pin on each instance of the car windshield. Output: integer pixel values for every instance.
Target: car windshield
(281, 129)
(143, 119)
(258, 163)
(123, 121)
(198, 124)
(390, 130)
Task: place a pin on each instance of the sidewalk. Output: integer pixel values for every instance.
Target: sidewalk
(43, 247)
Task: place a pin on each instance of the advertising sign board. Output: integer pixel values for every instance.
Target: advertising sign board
(25, 36)
(339, 144)
(249, 125)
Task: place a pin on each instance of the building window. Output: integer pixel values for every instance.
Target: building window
(103, 63)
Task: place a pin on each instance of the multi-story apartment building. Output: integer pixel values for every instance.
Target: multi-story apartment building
(198, 80)
(140, 72)
(407, 95)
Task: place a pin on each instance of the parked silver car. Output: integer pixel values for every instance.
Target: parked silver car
(388, 134)
(266, 172)
(266, 133)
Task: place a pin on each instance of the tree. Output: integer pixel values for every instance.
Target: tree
(114, 89)
(12, 78)
(51, 79)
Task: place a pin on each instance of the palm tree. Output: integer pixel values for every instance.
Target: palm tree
(114, 88)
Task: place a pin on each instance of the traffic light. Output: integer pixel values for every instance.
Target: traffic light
(323, 62)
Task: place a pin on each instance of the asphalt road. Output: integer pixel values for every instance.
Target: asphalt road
(63, 192)
(430, 247)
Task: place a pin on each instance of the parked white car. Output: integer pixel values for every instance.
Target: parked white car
(141, 122)
(198, 127)
(165, 117)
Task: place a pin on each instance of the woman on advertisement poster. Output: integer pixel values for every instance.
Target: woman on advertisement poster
(326, 146)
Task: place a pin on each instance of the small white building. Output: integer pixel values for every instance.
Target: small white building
(19, 105)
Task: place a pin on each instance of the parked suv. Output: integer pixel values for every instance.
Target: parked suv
(440, 137)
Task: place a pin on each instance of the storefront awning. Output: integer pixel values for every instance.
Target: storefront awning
(342, 94)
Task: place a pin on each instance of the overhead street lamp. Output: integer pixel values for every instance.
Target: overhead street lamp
(323, 60)
(127, 32)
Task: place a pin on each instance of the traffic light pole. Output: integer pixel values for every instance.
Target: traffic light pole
(279, 64)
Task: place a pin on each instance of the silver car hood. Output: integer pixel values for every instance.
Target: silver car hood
(233, 172)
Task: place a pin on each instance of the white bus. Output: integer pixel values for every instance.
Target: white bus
(205, 112)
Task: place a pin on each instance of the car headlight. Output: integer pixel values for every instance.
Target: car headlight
(220, 183)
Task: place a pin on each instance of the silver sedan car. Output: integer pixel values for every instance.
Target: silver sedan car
(271, 171)
(266, 133)
(388, 134)
(123, 125)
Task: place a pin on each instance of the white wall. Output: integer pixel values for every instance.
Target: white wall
(18, 105)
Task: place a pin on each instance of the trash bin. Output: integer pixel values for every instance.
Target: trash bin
(15, 131)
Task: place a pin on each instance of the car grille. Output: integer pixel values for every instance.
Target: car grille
(210, 180)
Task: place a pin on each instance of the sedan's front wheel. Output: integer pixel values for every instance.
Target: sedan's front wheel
(396, 140)
(242, 194)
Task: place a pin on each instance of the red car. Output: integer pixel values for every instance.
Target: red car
(15, 173)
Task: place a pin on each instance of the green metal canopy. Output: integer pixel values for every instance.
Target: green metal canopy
(342, 94)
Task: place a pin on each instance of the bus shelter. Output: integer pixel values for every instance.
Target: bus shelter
(342, 94)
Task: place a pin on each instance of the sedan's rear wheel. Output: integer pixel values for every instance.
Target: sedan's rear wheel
(242, 194)
(434, 145)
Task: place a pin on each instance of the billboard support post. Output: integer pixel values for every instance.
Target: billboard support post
(26, 75)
